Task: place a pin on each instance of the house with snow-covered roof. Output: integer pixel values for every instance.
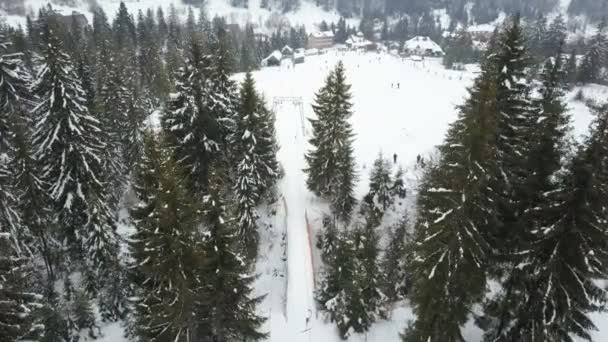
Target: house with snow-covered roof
(423, 46)
(358, 41)
(320, 40)
(287, 52)
(299, 56)
(273, 60)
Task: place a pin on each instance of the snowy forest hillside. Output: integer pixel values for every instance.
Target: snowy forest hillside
(312, 12)
(168, 175)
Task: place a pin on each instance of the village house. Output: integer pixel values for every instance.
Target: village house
(273, 60)
(299, 56)
(423, 46)
(287, 52)
(321, 40)
(358, 42)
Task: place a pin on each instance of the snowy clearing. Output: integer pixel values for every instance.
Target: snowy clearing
(400, 106)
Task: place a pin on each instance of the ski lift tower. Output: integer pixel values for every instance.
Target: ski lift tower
(297, 102)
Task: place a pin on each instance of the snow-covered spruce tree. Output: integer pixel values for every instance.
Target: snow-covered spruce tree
(123, 29)
(571, 249)
(544, 159)
(112, 110)
(368, 278)
(399, 190)
(164, 248)
(33, 202)
(337, 288)
(18, 303)
(151, 66)
(380, 184)
(516, 119)
(192, 129)
(595, 58)
(67, 141)
(268, 148)
(248, 164)
(327, 240)
(224, 95)
(331, 162)
(395, 282)
(254, 163)
(455, 212)
(52, 318)
(556, 35)
(321, 164)
(14, 81)
(81, 317)
(572, 69)
(226, 303)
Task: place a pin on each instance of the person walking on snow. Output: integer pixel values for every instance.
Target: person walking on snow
(395, 158)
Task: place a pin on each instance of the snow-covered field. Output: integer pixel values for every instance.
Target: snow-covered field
(401, 107)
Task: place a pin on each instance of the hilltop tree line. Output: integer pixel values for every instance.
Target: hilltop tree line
(585, 61)
(131, 168)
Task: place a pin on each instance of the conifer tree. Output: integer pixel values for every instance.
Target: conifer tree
(570, 254)
(337, 288)
(369, 276)
(556, 35)
(33, 202)
(268, 147)
(192, 128)
(327, 239)
(544, 158)
(67, 141)
(516, 118)
(595, 58)
(380, 185)
(331, 162)
(399, 190)
(395, 281)
(14, 80)
(14, 236)
(123, 27)
(82, 317)
(52, 318)
(18, 303)
(572, 69)
(152, 68)
(102, 31)
(223, 98)
(227, 308)
(455, 211)
(164, 248)
(254, 171)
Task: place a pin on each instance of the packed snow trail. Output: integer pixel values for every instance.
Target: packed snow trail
(300, 287)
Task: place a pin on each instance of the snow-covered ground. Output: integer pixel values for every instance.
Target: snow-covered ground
(401, 107)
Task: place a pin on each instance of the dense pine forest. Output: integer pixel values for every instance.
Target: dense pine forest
(509, 201)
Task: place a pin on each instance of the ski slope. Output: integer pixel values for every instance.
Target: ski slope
(408, 120)
(400, 106)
